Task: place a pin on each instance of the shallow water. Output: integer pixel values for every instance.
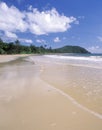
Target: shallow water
(87, 60)
(83, 84)
(42, 94)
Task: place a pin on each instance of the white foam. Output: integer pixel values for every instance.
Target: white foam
(69, 97)
(82, 58)
(91, 61)
(77, 104)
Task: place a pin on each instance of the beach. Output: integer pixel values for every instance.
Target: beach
(7, 58)
(41, 93)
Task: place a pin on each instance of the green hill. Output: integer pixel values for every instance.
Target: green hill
(71, 49)
(17, 48)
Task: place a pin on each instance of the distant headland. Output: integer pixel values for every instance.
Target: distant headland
(17, 48)
(71, 49)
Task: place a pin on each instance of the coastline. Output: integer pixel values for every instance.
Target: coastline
(30, 101)
(7, 58)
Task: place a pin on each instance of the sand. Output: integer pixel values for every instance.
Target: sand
(30, 101)
(6, 58)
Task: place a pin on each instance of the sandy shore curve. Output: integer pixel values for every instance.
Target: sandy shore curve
(29, 102)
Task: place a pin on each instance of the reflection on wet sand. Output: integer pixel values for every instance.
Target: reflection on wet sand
(29, 100)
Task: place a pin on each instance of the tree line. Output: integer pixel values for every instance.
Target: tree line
(17, 48)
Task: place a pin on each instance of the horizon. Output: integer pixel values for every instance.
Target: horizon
(53, 23)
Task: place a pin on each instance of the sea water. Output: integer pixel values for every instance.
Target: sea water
(80, 77)
(50, 92)
(88, 60)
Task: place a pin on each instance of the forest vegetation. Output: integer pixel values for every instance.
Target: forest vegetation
(17, 48)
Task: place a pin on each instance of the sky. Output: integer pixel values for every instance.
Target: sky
(54, 23)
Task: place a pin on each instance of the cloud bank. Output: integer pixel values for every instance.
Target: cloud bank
(95, 49)
(13, 21)
(41, 41)
(57, 39)
(28, 41)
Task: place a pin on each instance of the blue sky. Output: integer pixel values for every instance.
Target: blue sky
(53, 22)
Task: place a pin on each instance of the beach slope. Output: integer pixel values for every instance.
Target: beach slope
(29, 102)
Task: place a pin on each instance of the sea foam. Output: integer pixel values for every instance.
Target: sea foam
(78, 60)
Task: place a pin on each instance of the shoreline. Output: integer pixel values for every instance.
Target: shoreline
(8, 58)
(74, 81)
(29, 102)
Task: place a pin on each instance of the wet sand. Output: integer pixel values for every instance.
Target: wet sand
(82, 83)
(33, 97)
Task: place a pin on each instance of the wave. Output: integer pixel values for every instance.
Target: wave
(90, 58)
(78, 60)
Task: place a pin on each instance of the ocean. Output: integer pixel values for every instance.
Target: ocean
(87, 60)
(81, 78)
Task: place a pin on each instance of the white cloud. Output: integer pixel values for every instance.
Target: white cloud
(57, 39)
(26, 40)
(41, 41)
(76, 22)
(13, 20)
(48, 22)
(95, 49)
(10, 35)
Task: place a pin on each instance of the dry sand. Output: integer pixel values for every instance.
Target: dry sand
(6, 58)
(29, 102)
